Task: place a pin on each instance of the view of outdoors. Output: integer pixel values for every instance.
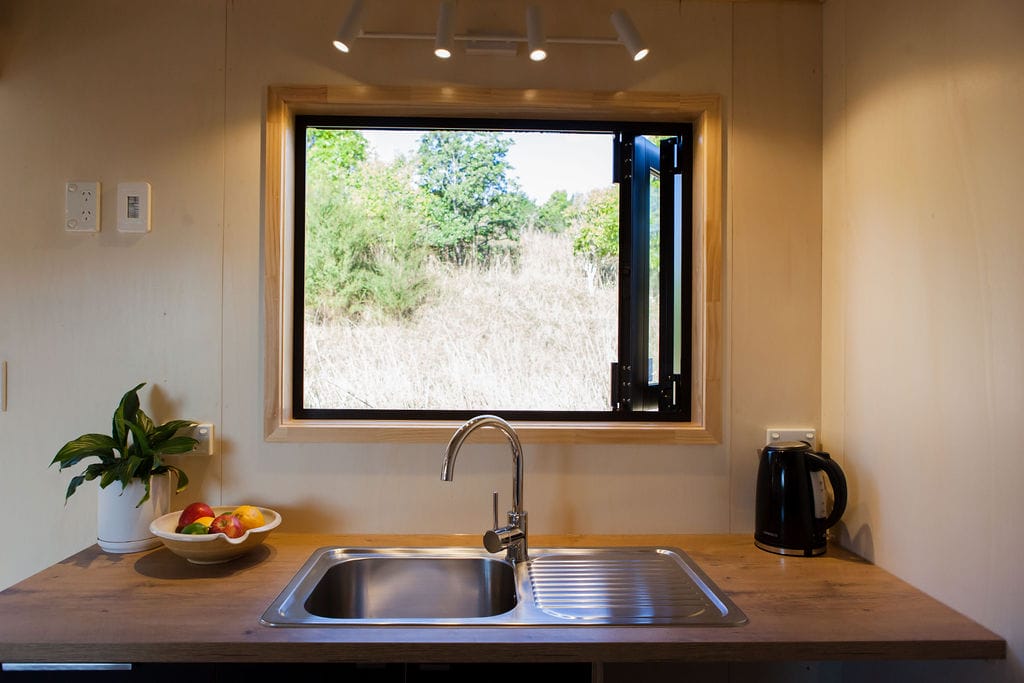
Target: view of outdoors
(459, 270)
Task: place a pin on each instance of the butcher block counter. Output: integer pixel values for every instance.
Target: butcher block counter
(156, 607)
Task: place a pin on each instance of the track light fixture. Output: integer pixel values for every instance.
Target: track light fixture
(535, 34)
(628, 34)
(445, 40)
(350, 27)
(492, 44)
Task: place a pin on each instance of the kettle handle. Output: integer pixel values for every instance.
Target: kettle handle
(822, 461)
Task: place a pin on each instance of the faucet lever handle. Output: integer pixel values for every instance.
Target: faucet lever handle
(495, 503)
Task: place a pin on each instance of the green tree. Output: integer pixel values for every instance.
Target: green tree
(471, 203)
(363, 255)
(554, 214)
(332, 153)
(595, 226)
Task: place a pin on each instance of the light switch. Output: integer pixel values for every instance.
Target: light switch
(133, 207)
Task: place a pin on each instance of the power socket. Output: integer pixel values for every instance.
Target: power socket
(776, 435)
(203, 433)
(82, 206)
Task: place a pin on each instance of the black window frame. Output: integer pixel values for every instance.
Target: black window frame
(633, 399)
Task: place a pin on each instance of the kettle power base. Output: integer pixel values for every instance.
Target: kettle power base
(801, 552)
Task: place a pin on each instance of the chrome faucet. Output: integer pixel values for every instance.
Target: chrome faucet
(512, 536)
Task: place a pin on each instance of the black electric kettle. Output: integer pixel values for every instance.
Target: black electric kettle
(791, 515)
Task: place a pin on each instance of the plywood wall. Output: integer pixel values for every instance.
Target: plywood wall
(922, 370)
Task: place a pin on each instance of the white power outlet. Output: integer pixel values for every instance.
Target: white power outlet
(82, 206)
(203, 433)
(777, 435)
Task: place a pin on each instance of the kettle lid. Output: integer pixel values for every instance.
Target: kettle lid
(789, 446)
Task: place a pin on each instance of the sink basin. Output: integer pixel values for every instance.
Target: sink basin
(413, 587)
(462, 586)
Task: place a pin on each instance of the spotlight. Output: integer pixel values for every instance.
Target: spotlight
(535, 34)
(628, 34)
(350, 28)
(445, 39)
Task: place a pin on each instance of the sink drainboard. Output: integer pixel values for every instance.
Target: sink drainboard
(623, 586)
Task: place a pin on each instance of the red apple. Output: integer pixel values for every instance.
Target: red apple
(192, 513)
(227, 524)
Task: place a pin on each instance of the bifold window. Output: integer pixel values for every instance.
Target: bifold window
(540, 270)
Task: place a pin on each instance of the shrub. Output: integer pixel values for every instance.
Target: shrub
(595, 227)
(363, 252)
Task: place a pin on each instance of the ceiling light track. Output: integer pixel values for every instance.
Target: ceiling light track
(503, 37)
(492, 43)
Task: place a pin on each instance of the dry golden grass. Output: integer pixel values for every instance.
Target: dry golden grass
(538, 336)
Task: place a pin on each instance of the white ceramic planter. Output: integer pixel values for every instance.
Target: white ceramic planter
(124, 528)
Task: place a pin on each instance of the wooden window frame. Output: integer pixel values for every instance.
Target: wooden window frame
(284, 103)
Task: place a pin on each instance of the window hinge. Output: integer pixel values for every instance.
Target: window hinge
(671, 156)
(621, 387)
(622, 159)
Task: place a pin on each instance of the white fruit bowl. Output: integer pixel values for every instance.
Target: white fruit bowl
(211, 548)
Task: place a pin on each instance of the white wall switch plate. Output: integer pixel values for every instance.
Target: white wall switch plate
(776, 435)
(82, 206)
(133, 207)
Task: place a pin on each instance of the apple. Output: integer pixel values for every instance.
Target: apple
(227, 524)
(192, 513)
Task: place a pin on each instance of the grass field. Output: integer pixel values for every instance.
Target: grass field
(535, 335)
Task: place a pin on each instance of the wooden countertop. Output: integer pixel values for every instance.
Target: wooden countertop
(156, 607)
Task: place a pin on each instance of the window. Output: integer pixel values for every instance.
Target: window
(657, 374)
(434, 286)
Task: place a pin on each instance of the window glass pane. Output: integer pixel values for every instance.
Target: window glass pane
(677, 257)
(654, 275)
(450, 270)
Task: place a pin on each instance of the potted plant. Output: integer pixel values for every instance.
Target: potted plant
(130, 463)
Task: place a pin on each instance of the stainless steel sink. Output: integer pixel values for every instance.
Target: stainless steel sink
(410, 586)
(462, 586)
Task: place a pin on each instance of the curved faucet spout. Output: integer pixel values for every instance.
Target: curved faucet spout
(463, 432)
(511, 537)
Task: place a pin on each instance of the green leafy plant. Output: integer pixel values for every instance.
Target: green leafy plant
(132, 451)
(472, 201)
